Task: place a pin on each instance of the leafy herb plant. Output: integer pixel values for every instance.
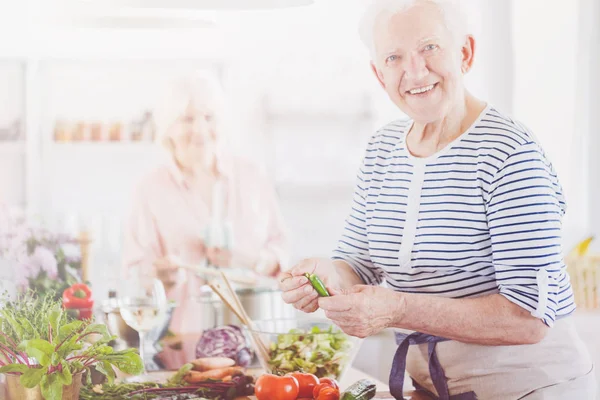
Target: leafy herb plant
(42, 344)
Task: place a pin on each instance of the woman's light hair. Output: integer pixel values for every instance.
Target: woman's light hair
(454, 18)
(201, 89)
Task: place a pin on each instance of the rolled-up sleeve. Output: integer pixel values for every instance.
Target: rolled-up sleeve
(353, 246)
(524, 210)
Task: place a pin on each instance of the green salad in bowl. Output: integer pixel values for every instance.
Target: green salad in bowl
(313, 346)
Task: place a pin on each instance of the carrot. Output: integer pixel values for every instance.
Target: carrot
(208, 363)
(217, 374)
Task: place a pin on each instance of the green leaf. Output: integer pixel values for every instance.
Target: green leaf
(15, 326)
(70, 328)
(54, 318)
(106, 369)
(66, 376)
(177, 379)
(52, 388)
(100, 328)
(29, 330)
(76, 365)
(40, 349)
(32, 377)
(56, 359)
(104, 349)
(127, 361)
(14, 368)
(88, 377)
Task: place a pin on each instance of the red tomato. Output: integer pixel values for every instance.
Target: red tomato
(329, 393)
(272, 387)
(332, 382)
(307, 383)
(321, 386)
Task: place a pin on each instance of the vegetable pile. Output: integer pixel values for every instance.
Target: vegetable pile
(323, 353)
(208, 379)
(302, 386)
(227, 341)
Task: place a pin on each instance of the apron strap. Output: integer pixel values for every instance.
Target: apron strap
(398, 368)
(436, 371)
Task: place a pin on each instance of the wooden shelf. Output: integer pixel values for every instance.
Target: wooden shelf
(103, 146)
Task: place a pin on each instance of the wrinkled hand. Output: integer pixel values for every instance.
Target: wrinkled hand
(167, 272)
(219, 257)
(363, 310)
(296, 288)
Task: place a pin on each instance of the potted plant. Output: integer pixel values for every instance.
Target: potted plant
(44, 350)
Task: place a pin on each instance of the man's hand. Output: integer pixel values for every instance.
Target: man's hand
(296, 288)
(363, 310)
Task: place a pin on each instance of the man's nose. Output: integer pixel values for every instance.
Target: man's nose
(416, 67)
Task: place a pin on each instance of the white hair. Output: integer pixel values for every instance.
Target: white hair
(200, 88)
(454, 18)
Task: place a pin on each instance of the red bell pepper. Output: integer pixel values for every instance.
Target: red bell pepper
(79, 297)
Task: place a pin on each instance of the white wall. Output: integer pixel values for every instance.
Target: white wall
(588, 106)
(546, 94)
(294, 77)
(282, 67)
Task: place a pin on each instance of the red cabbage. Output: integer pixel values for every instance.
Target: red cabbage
(226, 341)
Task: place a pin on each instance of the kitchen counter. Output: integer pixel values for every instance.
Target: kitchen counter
(172, 359)
(351, 376)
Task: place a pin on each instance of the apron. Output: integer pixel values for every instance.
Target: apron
(557, 367)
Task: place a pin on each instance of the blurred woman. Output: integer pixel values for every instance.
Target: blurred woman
(202, 204)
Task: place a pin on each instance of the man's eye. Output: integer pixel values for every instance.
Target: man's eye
(431, 47)
(391, 58)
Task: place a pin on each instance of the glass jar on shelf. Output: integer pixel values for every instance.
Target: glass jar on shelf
(96, 132)
(62, 131)
(115, 133)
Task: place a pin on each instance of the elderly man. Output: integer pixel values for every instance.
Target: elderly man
(459, 211)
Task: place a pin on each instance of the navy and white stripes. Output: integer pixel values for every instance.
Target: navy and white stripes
(481, 216)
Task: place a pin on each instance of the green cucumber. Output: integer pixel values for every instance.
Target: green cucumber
(318, 284)
(361, 390)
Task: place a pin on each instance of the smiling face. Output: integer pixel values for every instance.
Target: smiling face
(419, 63)
(194, 136)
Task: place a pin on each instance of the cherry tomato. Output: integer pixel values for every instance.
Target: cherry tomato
(272, 387)
(307, 383)
(329, 393)
(332, 382)
(321, 386)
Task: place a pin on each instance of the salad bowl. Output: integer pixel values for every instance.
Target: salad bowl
(304, 345)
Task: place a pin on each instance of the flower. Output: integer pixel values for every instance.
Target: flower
(41, 260)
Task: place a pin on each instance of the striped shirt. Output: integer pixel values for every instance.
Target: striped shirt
(481, 216)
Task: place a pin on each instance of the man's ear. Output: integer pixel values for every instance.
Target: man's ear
(468, 54)
(378, 74)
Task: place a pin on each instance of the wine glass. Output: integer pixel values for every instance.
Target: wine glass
(143, 305)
